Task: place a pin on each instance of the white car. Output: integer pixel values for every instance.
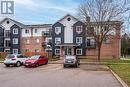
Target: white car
(15, 59)
(70, 60)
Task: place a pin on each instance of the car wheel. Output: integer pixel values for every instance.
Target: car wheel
(7, 65)
(64, 66)
(46, 62)
(18, 64)
(37, 64)
(76, 65)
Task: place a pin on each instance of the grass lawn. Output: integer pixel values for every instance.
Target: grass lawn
(123, 71)
(1, 59)
(107, 61)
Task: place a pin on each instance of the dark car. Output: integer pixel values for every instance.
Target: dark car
(36, 60)
(71, 61)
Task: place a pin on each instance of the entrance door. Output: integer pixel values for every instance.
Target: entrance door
(69, 51)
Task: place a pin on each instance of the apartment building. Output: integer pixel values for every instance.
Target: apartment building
(67, 36)
(70, 36)
(16, 37)
(10, 35)
(36, 38)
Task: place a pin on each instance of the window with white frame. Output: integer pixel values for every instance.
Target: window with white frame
(78, 39)
(15, 31)
(57, 40)
(15, 40)
(57, 30)
(78, 29)
(78, 51)
(57, 51)
(15, 51)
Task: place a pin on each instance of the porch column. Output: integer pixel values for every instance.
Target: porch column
(72, 50)
(61, 48)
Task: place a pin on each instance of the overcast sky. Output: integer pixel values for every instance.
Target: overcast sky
(43, 11)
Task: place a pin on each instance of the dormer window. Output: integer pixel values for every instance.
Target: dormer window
(57, 30)
(78, 29)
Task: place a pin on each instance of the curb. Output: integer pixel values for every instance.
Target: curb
(1, 61)
(119, 79)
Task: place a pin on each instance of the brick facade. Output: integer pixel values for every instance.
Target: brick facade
(32, 44)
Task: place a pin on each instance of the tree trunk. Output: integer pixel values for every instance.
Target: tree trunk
(99, 53)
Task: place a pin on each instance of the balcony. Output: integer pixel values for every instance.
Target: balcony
(90, 45)
(7, 34)
(46, 33)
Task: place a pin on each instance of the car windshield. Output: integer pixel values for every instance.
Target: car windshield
(35, 57)
(70, 57)
(10, 56)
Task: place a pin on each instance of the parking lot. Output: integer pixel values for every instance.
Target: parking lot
(54, 75)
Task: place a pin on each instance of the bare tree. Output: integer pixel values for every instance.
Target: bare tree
(103, 13)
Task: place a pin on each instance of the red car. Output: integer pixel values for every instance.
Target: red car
(36, 60)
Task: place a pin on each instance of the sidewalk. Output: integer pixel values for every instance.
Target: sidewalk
(81, 62)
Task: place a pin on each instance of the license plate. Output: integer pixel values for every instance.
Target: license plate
(26, 64)
(69, 61)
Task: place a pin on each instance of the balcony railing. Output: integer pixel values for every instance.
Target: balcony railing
(90, 45)
(46, 33)
(7, 34)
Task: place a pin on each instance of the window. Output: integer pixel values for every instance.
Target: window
(57, 40)
(15, 41)
(78, 39)
(7, 43)
(57, 51)
(7, 33)
(57, 30)
(78, 51)
(26, 50)
(35, 30)
(37, 41)
(78, 29)
(68, 19)
(15, 51)
(26, 31)
(36, 50)
(15, 31)
(27, 41)
(7, 22)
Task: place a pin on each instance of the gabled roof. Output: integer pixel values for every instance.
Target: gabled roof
(18, 23)
(66, 16)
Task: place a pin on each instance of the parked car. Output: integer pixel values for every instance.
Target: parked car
(15, 59)
(71, 61)
(36, 60)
